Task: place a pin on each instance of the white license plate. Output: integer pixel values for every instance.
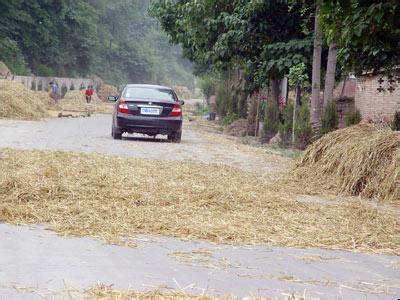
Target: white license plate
(149, 111)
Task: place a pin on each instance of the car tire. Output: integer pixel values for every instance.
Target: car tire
(175, 137)
(116, 133)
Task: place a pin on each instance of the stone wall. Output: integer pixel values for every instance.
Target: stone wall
(42, 83)
(373, 103)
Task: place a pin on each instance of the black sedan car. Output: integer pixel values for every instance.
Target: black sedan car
(147, 109)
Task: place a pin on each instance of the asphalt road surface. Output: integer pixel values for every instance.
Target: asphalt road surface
(36, 263)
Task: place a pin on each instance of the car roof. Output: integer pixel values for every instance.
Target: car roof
(149, 86)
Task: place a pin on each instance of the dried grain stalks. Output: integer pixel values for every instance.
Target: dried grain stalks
(114, 198)
(75, 100)
(358, 160)
(18, 102)
(102, 291)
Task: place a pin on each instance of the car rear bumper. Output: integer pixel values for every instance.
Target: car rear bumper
(152, 125)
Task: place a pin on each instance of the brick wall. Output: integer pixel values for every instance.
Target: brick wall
(348, 91)
(371, 102)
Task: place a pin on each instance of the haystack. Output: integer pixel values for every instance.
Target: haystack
(107, 90)
(4, 70)
(358, 160)
(75, 100)
(237, 128)
(182, 92)
(18, 102)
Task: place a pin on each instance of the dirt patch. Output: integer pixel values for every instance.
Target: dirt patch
(113, 198)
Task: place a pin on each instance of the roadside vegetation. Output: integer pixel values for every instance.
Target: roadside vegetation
(116, 40)
(240, 52)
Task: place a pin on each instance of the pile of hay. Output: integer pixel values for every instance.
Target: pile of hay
(76, 100)
(18, 102)
(182, 92)
(107, 90)
(4, 70)
(237, 128)
(358, 160)
(114, 198)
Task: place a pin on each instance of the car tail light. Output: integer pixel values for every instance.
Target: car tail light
(176, 111)
(123, 107)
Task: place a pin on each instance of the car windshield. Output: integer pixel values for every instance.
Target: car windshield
(149, 93)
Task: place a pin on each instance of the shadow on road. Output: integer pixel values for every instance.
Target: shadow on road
(141, 138)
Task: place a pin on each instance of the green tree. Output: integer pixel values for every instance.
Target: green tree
(367, 32)
(237, 34)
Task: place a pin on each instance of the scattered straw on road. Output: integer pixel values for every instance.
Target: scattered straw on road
(102, 291)
(113, 198)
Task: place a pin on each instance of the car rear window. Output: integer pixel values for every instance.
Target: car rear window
(149, 93)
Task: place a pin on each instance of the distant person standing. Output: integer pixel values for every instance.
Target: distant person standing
(54, 86)
(89, 94)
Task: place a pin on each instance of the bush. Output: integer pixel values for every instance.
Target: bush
(208, 86)
(229, 119)
(222, 100)
(271, 120)
(329, 119)
(396, 121)
(353, 117)
(43, 70)
(302, 130)
(201, 109)
(285, 128)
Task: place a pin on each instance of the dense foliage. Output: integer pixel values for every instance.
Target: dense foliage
(353, 117)
(263, 38)
(367, 32)
(329, 118)
(116, 40)
(302, 128)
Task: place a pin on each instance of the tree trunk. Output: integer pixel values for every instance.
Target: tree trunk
(298, 95)
(294, 120)
(316, 74)
(275, 90)
(330, 74)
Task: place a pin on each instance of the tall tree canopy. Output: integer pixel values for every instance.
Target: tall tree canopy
(367, 32)
(116, 40)
(265, 38)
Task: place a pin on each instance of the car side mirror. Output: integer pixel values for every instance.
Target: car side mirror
(181, 102)
(112, 98)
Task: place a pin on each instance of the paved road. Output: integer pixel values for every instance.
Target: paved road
(40, 263)
(93, 135)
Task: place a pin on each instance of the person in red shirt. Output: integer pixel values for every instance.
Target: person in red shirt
(89, 94)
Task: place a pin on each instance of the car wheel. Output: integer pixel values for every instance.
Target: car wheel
(115, 133)
(175, 137)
